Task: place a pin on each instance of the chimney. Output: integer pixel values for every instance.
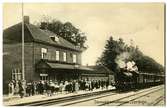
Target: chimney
(26, 19)
(43, 25)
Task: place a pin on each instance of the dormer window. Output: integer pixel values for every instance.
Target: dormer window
(54, 38)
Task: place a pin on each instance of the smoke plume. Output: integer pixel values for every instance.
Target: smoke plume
(123, 61)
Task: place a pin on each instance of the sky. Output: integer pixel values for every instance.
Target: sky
(141, 22)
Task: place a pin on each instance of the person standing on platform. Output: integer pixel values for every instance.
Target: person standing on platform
(96, 84)
(37, 87)
(32, 88)
(70, 87)
(84, 84)
(48, 88)
(92, 84)
(56, 87)
(89, 85)
(45, 87)
(81, 85)
(99, 83)
(11, 89)
(28, 89)
(51, 84)
(76, 87)
(16, 87)
(61, 87)
(41, 88)
(79, 82)
(21, 89)
(107, 84)
(102, 84)
(73, 86)
(66, 86)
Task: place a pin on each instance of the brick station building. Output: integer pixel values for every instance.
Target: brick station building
(46, 56)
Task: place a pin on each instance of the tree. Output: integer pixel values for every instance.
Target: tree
(65, 30)
(114, 48)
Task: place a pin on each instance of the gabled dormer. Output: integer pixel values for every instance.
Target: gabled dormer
(54, 38)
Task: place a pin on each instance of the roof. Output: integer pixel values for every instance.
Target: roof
(60, 66)
(85, 68)
(33, 33)
(101, 69)
(151, 74)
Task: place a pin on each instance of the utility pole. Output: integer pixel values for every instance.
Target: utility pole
(23, 68)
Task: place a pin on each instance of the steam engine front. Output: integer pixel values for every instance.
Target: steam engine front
(131, 78)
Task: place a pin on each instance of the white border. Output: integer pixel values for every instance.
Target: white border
(64, 1)
(82, 1)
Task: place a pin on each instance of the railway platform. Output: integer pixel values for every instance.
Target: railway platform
(153, 96)
(17, 101)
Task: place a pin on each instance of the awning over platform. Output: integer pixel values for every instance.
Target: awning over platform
(52, 65)
(60, 66)
(85, 68)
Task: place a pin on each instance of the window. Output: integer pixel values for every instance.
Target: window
(43, 77)
(16, 74)
(44, 53)
(64, 56)
(74, 58)
(57, 55)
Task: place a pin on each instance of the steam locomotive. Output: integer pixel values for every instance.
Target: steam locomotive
(128, 79)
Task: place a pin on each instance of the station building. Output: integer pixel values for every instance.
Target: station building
(46, 56)
(100, 72)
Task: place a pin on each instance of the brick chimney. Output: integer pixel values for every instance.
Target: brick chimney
(26, 19)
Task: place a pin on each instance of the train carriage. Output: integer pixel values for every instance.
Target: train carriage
(128, 80)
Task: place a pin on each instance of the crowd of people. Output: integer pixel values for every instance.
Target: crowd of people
(53, 87)
(17, 87)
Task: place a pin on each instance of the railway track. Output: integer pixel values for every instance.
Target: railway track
(158, 100)
(129, 99)
(77, 102)
(63, 99)
(123, 103)
(87, 99)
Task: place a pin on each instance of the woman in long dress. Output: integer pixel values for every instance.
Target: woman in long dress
(76, 86)
(61, 87)
(11, 89)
